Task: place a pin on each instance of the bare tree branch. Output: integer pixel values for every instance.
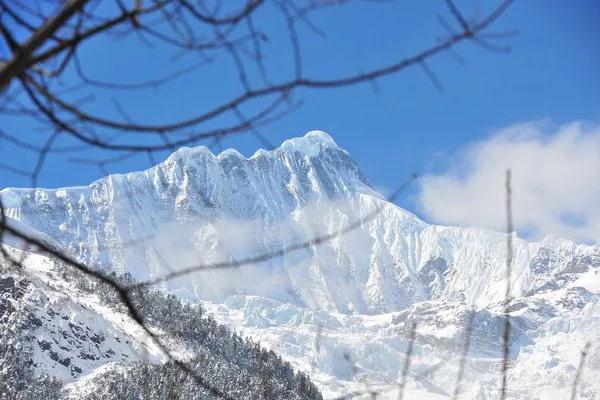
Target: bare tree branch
(509, 260)
(580, 367)
(21, 59)
(407, 360)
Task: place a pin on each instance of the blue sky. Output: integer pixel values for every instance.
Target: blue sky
(403, 126)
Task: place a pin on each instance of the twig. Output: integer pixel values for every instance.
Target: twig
(509, 259)
(580, 367)
(407, 359)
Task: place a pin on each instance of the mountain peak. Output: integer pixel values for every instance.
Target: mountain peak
(311, 144)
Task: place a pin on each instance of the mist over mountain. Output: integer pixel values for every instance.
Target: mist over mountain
(340, 310)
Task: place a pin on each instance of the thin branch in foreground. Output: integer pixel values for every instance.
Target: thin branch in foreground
(465, 352)
(458, 15)
(317, 347)
(509, 259)
(407, 360)
(579, 372)
(20, 60)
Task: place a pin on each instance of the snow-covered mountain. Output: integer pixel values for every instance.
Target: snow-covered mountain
(339, 309)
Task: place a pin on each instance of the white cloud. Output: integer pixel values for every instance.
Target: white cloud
(555, 175)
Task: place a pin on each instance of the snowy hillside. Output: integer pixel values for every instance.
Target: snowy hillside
(341, 309)
(64, 335)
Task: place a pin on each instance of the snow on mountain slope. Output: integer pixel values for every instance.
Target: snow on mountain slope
(197, 208)
(347, 353)
(69, 333)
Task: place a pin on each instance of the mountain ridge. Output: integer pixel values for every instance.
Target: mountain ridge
(308, 144)
(230, 206)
